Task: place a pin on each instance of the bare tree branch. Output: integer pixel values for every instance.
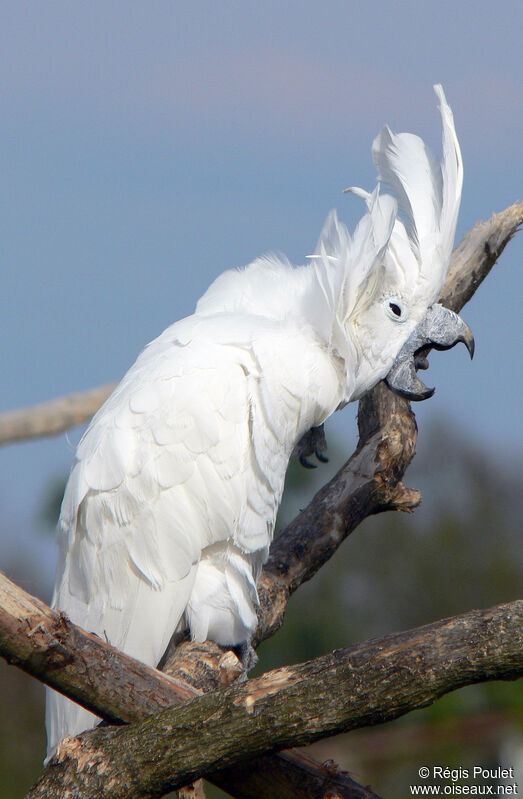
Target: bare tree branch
(476, 254)
(120, 689)
(367, 684)
(52, 417)
(289, 775)
(101, 678)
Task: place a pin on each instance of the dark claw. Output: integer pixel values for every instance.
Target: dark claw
(307, 463)
(312, 443)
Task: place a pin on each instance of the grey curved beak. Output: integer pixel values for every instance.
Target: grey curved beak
(440, 329)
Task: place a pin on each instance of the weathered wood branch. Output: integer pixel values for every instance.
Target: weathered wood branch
(364, 685)
(289, 775)
(52, 417)
(120, 689)
(101, 678)
(476, 254)
(57, 415)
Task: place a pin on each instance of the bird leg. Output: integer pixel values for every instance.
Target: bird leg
(246, 655)
(312, 443)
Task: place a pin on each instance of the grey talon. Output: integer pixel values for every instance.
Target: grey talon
(312, 443)
(306, 463)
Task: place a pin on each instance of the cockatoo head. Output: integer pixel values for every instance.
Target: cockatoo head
(382, 283)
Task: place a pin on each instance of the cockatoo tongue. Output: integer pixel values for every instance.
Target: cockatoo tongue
(440, 329)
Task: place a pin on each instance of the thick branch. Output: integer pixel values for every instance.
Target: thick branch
(289, 775)
(101, 678)
(119, 689)
(367, 684)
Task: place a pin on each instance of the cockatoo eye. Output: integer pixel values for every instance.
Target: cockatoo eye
(396, 309)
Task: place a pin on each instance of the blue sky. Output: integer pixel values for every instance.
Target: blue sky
(146, 147)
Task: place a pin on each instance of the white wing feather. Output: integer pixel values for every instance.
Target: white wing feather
(173, 493)
(135, 515)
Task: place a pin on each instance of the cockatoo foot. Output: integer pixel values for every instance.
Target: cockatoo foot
(312, 443)
(246, 655)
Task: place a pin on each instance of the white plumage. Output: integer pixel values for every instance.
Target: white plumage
(170, 506)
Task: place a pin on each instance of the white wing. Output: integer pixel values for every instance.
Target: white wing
(158, 476)
(188, 455)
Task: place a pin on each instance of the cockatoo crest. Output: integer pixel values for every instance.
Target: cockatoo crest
(428, 195)
(394, 265)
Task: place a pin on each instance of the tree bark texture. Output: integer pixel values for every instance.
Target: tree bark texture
(368, 684)
(47, 645)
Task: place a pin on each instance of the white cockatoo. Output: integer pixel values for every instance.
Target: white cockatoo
(169, 510)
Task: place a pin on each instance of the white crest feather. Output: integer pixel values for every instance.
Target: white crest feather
(428, 194)
(346, 267)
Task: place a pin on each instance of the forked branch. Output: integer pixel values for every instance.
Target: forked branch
(367, 684)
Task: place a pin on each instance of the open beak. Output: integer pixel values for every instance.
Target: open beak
(440, 329)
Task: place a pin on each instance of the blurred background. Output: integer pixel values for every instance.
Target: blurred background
(145, 148)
